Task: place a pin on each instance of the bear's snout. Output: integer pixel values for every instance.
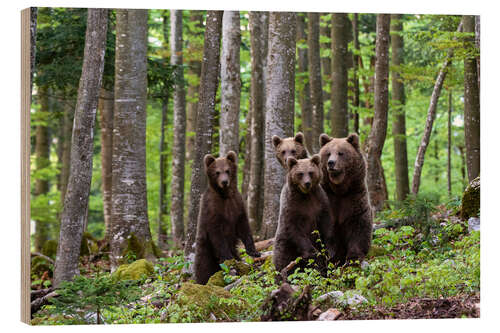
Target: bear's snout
(331, 164)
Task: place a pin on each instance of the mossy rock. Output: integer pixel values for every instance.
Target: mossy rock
(134, 271)
(49, 248)
(376, 251)
(88, 245)
(39, 266)
(217, 279)
(138, 249)
(471, 200)
(209, 299)
(240, 267)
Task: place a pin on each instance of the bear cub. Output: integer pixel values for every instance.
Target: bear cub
(222, 219)
(344, 181)
(304, 208)
(287, 147)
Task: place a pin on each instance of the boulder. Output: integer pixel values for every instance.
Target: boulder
(474, 224)
(134, 271)
(471, 200)
(328, 315)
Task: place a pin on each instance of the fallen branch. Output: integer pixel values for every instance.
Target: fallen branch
(39, 302)
(38, 254)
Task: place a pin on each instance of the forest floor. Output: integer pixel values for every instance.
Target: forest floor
(424, 263)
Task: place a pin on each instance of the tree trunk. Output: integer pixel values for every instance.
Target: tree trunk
(326, 62)
(471, 104)
(356, 57)
(67, 130)
(230, 85)
(462, 167)
(163, 204)
(105, 106)
(399, 117)
(259, 22)
(179, 144)
(448, 168)
(130, 207)
(378, 131)
(209, 81)
(194, 72)
(315, 83)
(77, 195)
(280, 88)
(33, 18)
(431, 115)
(340, 39)
(478, 47)
(303, 82)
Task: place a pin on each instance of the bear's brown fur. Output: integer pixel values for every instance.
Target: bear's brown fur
(287, 147)
(344, 181)
(222, 219)
(304, 208)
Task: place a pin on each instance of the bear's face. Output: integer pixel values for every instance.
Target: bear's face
(304, 173)
(221, 172)
(339, 156)
(289, 147)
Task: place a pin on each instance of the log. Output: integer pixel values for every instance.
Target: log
(39, 302)
(38, 254)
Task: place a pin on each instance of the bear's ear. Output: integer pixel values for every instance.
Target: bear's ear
(316, 159)
(353, 139)
(290, 162)
(324, 139)
(232, 156)
(209, 159)
(299, 137)
(276, 141)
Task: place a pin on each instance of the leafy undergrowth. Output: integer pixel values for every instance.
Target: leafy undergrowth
(410, 273)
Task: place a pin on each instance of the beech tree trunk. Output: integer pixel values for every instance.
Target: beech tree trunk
(431, 115)
(106, 106)
(77, 195)
(340, 39)
(471, 104)
(258, 22)
(378, 131)
(326, 62)
(130, 207)
(67, 130)
(398, 113)
(179, 144)
(230, 85)
(303, 82)
(315, 82)
(163, 204)
(356, 57)
(33, 18)
(280, 89)
(204, 125)
(448, 168)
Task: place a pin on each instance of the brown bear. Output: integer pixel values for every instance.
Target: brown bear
(304, 208)
(222, 219)
(344, 181)
(289, 147)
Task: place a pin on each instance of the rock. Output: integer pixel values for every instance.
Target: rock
(286, 303)
(376, 251)
(474, 224)
(364, 265)
(471, 200)
(338, 297)
(217, 279)
(356, 299)
(134, 271)
(328, 315)
(337, 294)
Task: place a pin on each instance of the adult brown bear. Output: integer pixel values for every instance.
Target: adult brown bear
(344, 181)
(222, 219)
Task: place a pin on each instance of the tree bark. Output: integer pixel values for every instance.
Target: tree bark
(378, 131)
(259, 22)
(431, 115)
(326, 62)
(399, 117)
(204, 125)
(230, 85)
(129, 210)
(33, 18)
(280, 89)
(471, 103)
(315, 82)
(340, 39)
(179, 144)
(106, 106)
(163, 204)
(356, 57)
(77, 195)
(448, 168)
(303, 82)
(477, 40)
(68, 114)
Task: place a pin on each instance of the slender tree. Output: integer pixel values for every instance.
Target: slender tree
(129, 200)
(77, 196)
(356, 60)
(315, 82)
(106, 106)
(398, 112)
(230, 84)
(280, 88)
(448, 166)
(303, 81)
(258, 40)
(471, 102)
(33, 18)
(179, 144)
(378, 131)
(209, 81)
(326, 61)
(340, 39)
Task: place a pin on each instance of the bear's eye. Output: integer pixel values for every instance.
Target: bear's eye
(300, 174)
(340, 153)
(227, 171)
(310, 174)
(217, 173)
(283, 153)
(293, 152)
(328, 154)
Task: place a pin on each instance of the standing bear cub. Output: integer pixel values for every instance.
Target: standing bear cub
(304, 208)
(222, 219)
(344, 181)
(288, 147)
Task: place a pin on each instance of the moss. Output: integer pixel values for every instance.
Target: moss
(39, 266)
(49, 248)
(240, 267)
(88, 245)
(376, 251)
(134, 271)
(217, 279)
(471, 200)
(140, 249)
